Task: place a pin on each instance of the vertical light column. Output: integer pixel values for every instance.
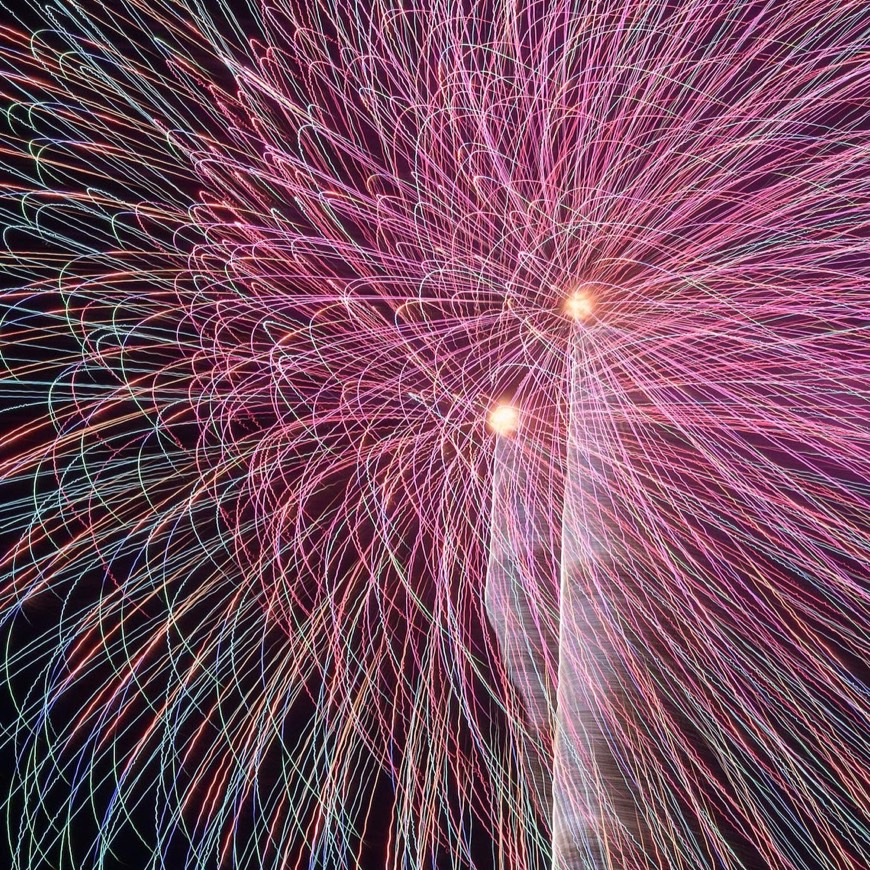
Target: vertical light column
(513, 598)
(563, 661)
(582, 792)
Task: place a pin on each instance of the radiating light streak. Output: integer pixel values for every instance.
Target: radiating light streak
(272, 267)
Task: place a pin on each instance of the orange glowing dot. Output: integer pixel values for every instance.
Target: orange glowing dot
(504, 420)
(579, 305)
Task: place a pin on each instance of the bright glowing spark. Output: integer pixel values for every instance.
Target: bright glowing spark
(579, 305)
(504, 420)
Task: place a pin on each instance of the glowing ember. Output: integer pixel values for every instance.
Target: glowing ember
(504, 420)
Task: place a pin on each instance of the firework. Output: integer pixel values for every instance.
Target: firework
(442, 434)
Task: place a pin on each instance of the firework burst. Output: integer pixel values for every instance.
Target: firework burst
(443, 434)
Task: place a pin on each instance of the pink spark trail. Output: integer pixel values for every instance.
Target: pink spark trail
(438, 434)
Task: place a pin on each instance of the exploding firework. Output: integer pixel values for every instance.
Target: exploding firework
(442, 434)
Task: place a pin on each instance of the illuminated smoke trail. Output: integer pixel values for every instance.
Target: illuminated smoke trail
(270, 270)
(522, 598)
(583, 799)
(556, 647)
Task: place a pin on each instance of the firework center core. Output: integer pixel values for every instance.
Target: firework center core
(504, 419)
(579, 305)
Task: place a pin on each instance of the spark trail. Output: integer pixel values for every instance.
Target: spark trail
(268, 268)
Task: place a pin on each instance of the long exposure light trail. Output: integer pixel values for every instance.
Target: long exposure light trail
(435, 435)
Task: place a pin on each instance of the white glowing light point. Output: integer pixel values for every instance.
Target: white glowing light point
(579, 305)
(504, 420)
